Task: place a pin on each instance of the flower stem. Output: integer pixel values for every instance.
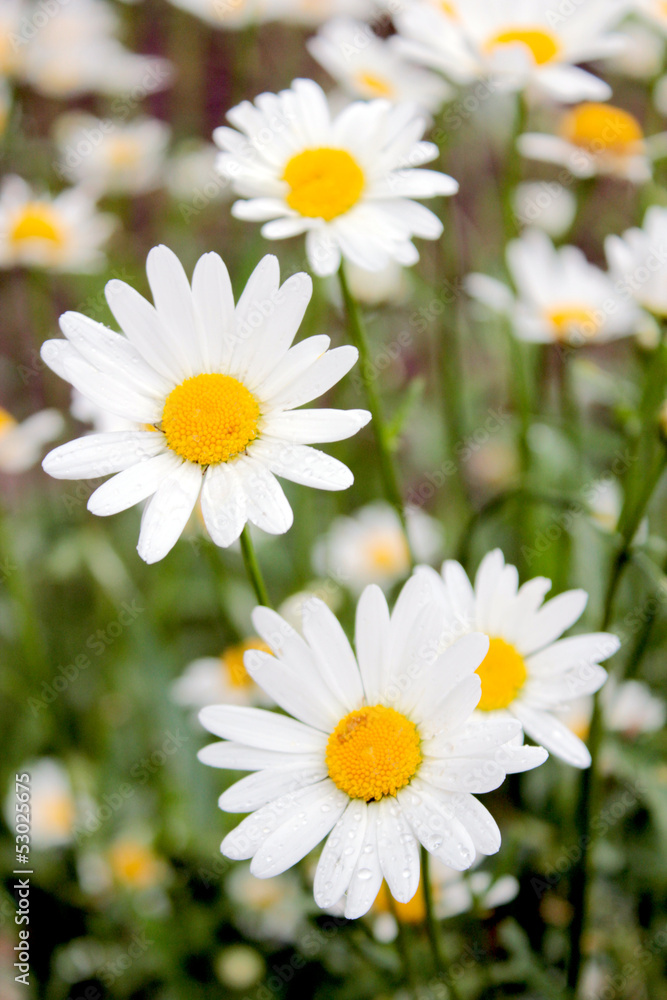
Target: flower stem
(403, 947)
(441, 969)
(252, 568)
(388, 473)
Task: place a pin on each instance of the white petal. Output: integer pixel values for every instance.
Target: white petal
(304, 465)
(435, 825)
(367, 875)
(316, 426)
(167, 513)
(270, 325)
(486, 581)
(292, 690)
(264, 786)
(576, 651)
(477, 820)
(323, 251)
(398, 850)
(476, 737)
(266, 504)
(262, 729)
(308, 822)
(463, 774)
(102, 454)
(452, 689)
(223, 504)
(333, 653)
(143, 327)
(317, 379)
(371, 638)
(552, 620)
(172, 296)
(133, 485)
(340, 854)
(239, 757)
(553, 734)
(214, 302)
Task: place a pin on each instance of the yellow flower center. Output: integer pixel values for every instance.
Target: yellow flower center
(209, 419)
(373, 752)
(123, 152)
(541, 44)
(324, 183)
(374, 86)
(571, 320)
(412, 912)
(503, 674)
(447, 8)
(233, 666)
(133, 864)
(388, 553)
(602, 128)
(57, 813)
(6, 422)
(37, 221)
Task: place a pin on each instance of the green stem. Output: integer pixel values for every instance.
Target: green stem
(14, 576)
(512, 169)
(439, 963)
(359, 337)
(403, 947)
(252, 568)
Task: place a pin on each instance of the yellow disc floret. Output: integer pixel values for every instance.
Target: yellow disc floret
(209, 419)
(572, 320)
(232, 662)
(602, 128)
(375, 86)
(324, 183)
(503, 674)
(373, 752)
(542, 45)
(6, 421)
(37, 220)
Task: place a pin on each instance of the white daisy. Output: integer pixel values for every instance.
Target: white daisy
(527, 674)
(638, 261)
(370, 546)
(380, 754)
(367, 66)
(192, 179)
(562, 298)
(12, 43)
(631, 708)
(220, 678)
(390, 286)
(593, 139)
(60, 233)
(112, 157)
(348, 182)
(275, 910)
(545, 204)
(644, 53)
(21, 444)
(53, 807)
(515, 46)
(218, 384)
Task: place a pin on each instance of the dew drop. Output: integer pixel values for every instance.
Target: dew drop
(364, 873)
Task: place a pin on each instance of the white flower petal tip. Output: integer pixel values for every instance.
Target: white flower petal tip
(392, 694)
(167, 379)
(347, 182)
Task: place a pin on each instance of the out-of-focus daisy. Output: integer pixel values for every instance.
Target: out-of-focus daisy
(76, 52)
(545, 204)
(12, 42)
(638, 261)
(631, 708)
(219, 385)
(134, 864)
(515, 47)
(375, 288)
(380, 753)
(367, 66)
(53, 807)
(191, 177)
(494, 465)
(453, 893)
(239, 967)
(643, 55)
(64, 232)
(593, 139)
(562, 298)
(273, 910)
(291, 609)
(526, 674)
(371, 547)
(220, 678)
(605, 500)
(21, 444)
(87, 412)
(654, 11)
(348, 183)
(227, 13)
(312, 12)
(112, 157)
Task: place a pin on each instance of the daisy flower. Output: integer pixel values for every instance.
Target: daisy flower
(366, 66)
(274, 910)
(526, 674)
(220, 678)
(638, 261)
(378, 753)
(644, 53)
(21, 444)
(347, 182)
(215, 387)
(112, 157)
(53, 807)
(515, 46)
(64, 232)
(12, 13)
(390, 286)
(593, 139)
(371, 547)
(545, 204)
(631, 708)
(562, 298)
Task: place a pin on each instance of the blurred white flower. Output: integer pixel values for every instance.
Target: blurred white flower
(562, 298)
(87, 412)
(545, 204)
(53, 808)
(134, 864)
(64, 232)
(112, 157)
(605, 500)
(631, 708)
(239, 967)
(292, 609)
(594, 139)
(638, 261)
(212, 679)
(272, 909)
(367, 66)
(191, 177)
(527, 46)
(237, 14)
(374, 288)
(370, 546)
(643, 55)
(12, 44)
(347, 182)
(21, 444)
